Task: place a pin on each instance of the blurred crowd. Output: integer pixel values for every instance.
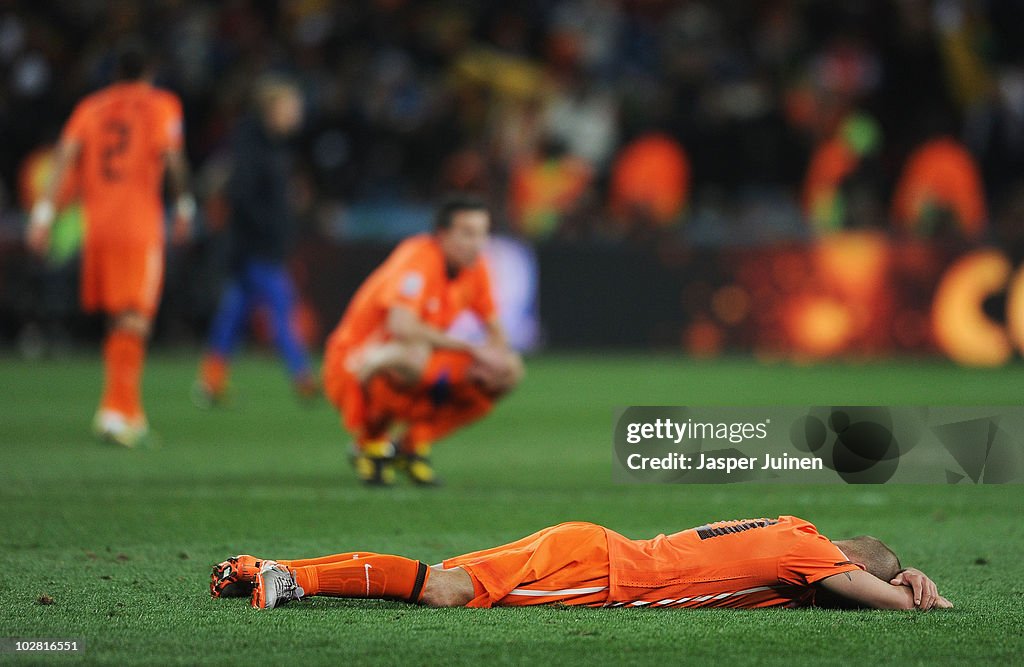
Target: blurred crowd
(719, 121)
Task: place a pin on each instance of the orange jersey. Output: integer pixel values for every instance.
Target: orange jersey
(414, 276)
(123, 132)
(745, 563)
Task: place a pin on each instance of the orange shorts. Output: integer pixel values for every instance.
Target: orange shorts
(122, 274)
(565, 564)
(384, 402)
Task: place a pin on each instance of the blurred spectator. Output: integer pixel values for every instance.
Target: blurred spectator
(841, 167)
(961, 35)
(940, 192)
(650, 183)
(54, 304)
(397, 88)
(583, 119)
(547, 190)
(517, 129)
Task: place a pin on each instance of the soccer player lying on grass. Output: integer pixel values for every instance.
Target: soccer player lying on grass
(743, 564)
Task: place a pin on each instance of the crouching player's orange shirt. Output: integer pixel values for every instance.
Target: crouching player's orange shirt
(415, 276)
(123, 133)
(744, 563)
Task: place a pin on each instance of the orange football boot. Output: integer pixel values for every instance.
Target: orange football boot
(234, 577)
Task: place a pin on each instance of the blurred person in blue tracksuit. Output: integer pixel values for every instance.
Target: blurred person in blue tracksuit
(260, 231)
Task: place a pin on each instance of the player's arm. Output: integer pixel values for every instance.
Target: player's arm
(498, 367)
(867, 590)
(176, 168)
(496, 355)
(184, 202)
(406, 326)
(496, 336)
(45, 209)
(484, 308)
(924, 589)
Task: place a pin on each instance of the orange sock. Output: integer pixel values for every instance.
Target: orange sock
(376, 576)
(213, 372)
(123, 356)
(326, 560)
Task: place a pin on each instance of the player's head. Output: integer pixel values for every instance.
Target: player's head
(132, 60)
(872, 555)
(462, 227)
(279, 103)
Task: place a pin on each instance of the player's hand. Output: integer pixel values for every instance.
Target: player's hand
(491, 357)
(38, 239)
(181, 230)
(490, 368)
(184, 214)
(37, 236)
(926, 593)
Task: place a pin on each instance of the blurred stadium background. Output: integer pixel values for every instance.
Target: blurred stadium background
(789, 179)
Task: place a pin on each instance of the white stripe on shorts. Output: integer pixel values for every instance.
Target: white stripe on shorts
(532, 592)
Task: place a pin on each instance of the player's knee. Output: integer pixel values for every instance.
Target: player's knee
(447, 588)
(417, 357)
(132, 322)
(507, 375)
(515, 370)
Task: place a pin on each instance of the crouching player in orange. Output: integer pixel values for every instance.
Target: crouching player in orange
(744, 564)
(391, 362)
(120, 139)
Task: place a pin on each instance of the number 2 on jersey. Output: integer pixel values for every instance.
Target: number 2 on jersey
(116, 135)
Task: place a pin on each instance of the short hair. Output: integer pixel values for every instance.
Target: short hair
(873, 554)
(132, 59)
(456, 204)
(272, 87)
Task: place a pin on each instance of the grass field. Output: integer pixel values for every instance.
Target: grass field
(122, 541)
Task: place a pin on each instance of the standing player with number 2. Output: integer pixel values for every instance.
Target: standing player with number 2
(120, 140)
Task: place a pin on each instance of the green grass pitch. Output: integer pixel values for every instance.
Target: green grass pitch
(122, 541)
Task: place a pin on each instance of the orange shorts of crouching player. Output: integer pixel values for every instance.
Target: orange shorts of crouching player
(391, 365)
(741, 564)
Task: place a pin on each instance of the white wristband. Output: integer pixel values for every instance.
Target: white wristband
(43, 213)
